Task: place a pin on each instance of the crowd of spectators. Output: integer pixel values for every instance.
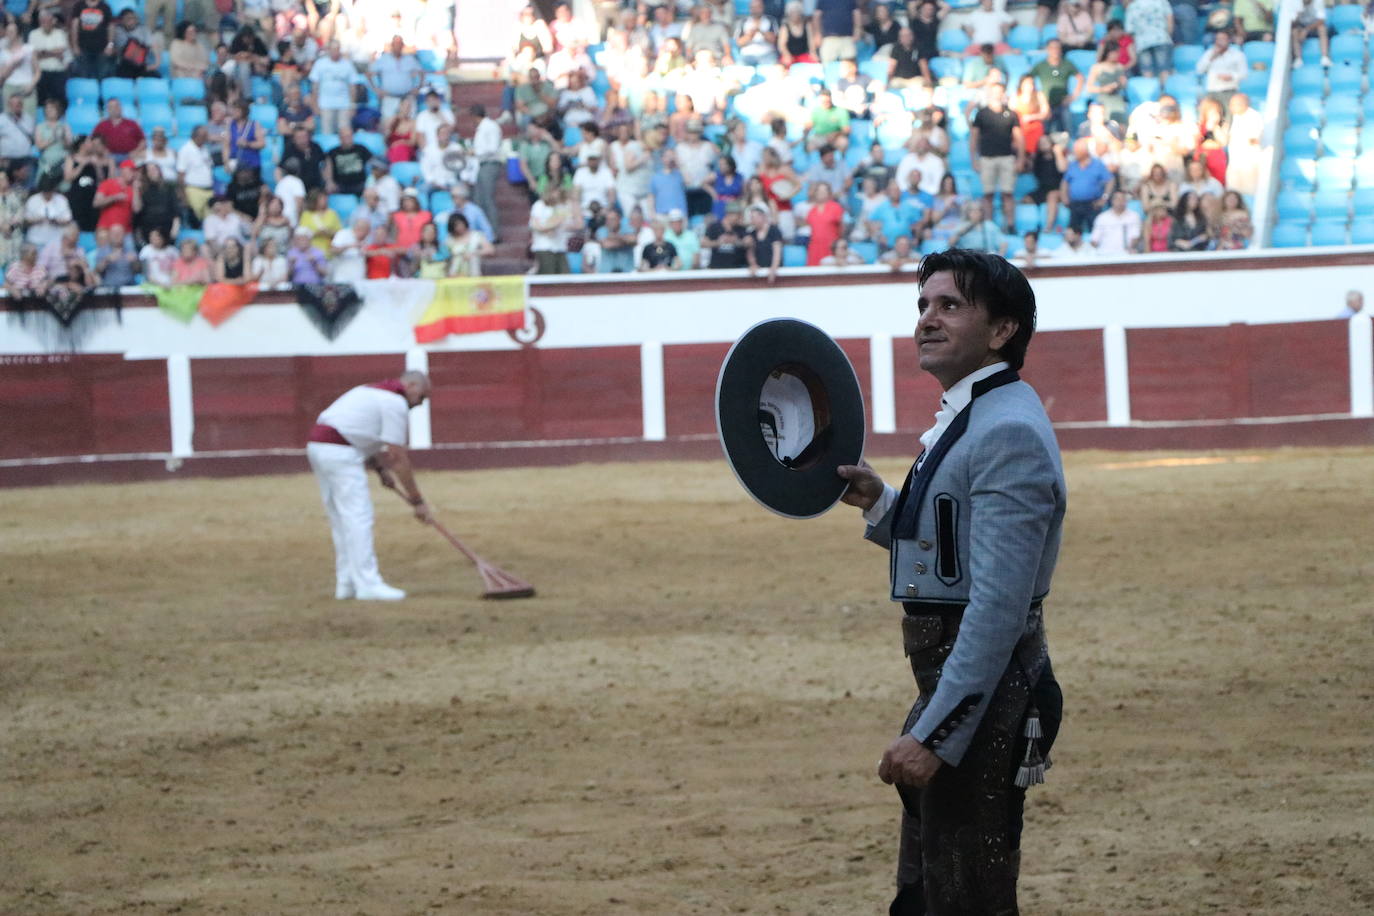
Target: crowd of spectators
(252, 142)
(726, 134)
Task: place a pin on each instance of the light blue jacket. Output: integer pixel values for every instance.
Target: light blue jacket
(989, 503)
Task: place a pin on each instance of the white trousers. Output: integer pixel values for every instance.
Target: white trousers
(342, 475)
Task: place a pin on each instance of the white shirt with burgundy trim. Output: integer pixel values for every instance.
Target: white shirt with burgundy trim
(369, 418)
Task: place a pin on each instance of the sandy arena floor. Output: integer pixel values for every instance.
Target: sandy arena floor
(687, 718)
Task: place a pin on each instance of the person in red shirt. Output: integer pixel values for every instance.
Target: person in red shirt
(114, 198)
(379, 254)
(121, 135)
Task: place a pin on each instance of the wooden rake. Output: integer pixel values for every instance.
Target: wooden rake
(496, 582)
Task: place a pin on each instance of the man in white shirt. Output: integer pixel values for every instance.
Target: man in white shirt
(988, 26)
(486, 147)
(1116, 229)
(593, 179)
(196, 171)
(348, 251)
(441, 160)
(16, 132)
(577, 104)
(388, 188)
(1224, 66)
(366, 428)
(1073, 249)
(921, 159)
(428, 122)
(53, 53)
(371, 209)
(1243, 145)
(696, 160)
(291, 190)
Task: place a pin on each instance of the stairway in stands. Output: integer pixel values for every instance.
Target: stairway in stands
(511, 200)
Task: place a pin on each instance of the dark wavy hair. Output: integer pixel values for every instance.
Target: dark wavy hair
(993, 282)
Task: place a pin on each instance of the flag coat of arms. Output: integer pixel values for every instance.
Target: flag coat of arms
(470, 305)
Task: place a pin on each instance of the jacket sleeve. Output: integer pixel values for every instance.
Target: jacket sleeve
(880, 529)
(1013, 492)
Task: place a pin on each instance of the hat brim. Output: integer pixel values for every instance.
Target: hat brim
(806, 486)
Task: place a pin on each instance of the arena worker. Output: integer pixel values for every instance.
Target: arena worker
(973, 536)
(366, 428)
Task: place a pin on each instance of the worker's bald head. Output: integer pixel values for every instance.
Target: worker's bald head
(416, 384)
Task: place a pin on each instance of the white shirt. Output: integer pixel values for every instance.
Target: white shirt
(694, 161)
(56, 40)
(1246, 128)
(219, 229)
(388, 191)
(349, 263)
(165, 160)
(16, 135)
(369, 418)
(157, 263)
(554, 240)
(594, 185)
(952, 403)
(194, 166)
(1066, 255)
(486, 141)
(1208, 185)
(436, 162)
(987, 26)
(427, 124)
(48, 218)
(291, 190)
(1115, 233)
(271, 271)
(931, 167)
(1225, 70)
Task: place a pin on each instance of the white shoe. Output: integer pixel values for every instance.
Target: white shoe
(382, 592)
(1297, 63)
(1326, 62)
(343, 591)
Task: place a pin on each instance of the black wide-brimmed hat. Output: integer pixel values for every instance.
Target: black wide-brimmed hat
(789, 412)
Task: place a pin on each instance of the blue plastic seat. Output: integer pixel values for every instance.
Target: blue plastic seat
(83, 119)
(326, 142)
(1347, 47)
(1337, 140)
(1346, 78)
(1290, 235)
(1298, 172)
(264, 115)
(1311, 51)
(1362, 201)
(440, 202)
(866, 250)
(118, 87)
(1329, 205)
(344, 205)
(945, 68)
(157, 114)
(1048, 33)
(1082, 59)
(1256, 85)
(1293, 206)
(1258, 52)
(1306, 110)
(372, 141)
(1049, 241)
(187, 89)
(574, 262)
(1024, 38)
(793, 255)
(1025, 185)
(260, 89)
(1182, 84)
(1343, 18)
(1308, 81)
(1300, 140)
(1186, 57)
(1343, 109)
(189, 117)
(1027, 218)
(1329, 232)
(951, 41)
(429, 60)
(407, 173)
(153, 89)
(1335, 173)
(933, 246)
(80, 89)
(1061, 218)
(1141, 89)
(87, 241)
(1362, 232)
(1364, 173)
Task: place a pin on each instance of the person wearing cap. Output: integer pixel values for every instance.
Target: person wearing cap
(115, 198)
(973, 539)
(683, 239)
(726, 240)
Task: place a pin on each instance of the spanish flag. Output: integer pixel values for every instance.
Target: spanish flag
(470, 305)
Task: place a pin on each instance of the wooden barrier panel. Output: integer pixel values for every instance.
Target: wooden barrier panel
(1068, 369)
(79, 404)
(573, 393)
(689, 387)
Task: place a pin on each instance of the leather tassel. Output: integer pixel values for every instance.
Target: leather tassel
(1032, 769)
(1032, 729)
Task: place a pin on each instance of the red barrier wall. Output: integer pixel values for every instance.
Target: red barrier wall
(1274, 370)
(82, 405)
